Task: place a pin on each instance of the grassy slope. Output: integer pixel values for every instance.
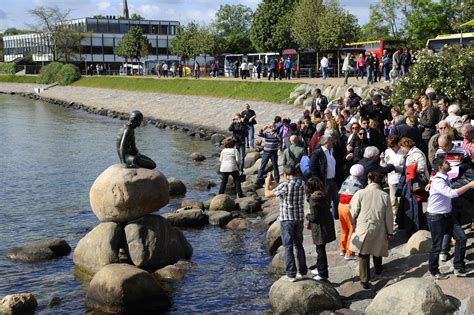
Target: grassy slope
(258, 91)
(18, 79)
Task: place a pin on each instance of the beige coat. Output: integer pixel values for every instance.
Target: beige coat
(372, 220)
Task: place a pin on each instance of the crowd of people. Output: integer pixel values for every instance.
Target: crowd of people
(370, 166)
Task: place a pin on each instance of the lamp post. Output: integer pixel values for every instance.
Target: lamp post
(462, 8)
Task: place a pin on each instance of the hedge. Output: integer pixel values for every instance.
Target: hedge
(7, 68)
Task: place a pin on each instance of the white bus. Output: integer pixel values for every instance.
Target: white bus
(265, 58)
(229, 64)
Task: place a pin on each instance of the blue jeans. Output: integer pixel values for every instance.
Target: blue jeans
(241, 149)
(461, 241)
(439, 226)
(333, 192)
(292, 237)
(370, 76)
(386, 73)
(325, 72)
(267, 155)
(249, 139)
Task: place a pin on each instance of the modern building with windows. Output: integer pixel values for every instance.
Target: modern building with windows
(103, 35)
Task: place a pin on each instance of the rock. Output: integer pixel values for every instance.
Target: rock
(153, 243)
(40, 250)
(192, 203)
(168, 273)
(419, 243)
(260, 192)
(177, 187)
(217, 138)
(100, 247)
(251, 158)
(222, 202)
(238, 224)
(278, 266)
(271, 217)
(301, 88)
(254, 169)
(122, 288)
(299, 100)
(248, 204)
(411, 296)
(274, 237)
(122, 194)
(196, 156)
(188, 218)
(55, 301)
(219, 218)
(203, 184)
(308, 102)
(19, 303)
(207, 203)
(303, 297)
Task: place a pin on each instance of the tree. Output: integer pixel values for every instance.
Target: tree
(62, 42)
(305, 28)
(15, 31)
(183, 44)
(378, 26)
(133, 45)
(136, 16)
(270, 29)
(336, 26)
(232, 23)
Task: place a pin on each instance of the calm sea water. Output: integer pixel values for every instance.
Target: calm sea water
(49, 159)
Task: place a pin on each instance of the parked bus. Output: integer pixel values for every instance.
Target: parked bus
(229, 61)
(378, 46)
(439, 41)
(265, 58)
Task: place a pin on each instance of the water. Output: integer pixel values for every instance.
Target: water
(49, 159)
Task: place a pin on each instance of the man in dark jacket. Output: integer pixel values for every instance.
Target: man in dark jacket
(370, 162)
(376, 111)
(354, 98)
(408, 129)
(373, 135)
(239, 132)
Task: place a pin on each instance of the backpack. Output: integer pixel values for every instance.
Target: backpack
(304, 166)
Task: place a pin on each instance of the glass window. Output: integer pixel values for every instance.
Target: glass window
(172, 29)
(153, 42)
(96, 50)
(162, 51)
(96, 41)
(145, 28)
(108, 50)
(124, 27)
(103, 27)
(108, 42)
(163, 30)
(162, 43)
(114, 27)
(154, 29)
(92, 26)
(376, 46)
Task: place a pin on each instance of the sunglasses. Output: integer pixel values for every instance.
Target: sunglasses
(361, 133)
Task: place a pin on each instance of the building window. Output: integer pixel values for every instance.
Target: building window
(114, 27)
(145, 28)
(154, 29)
(124, 27)
(92, 26)
(103, 27)
(163, 30)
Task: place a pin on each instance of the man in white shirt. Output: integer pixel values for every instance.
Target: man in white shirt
(324, 66)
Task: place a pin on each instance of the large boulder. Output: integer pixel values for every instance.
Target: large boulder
(303, 297)
(411, 296)
(222, 202)
(419, 243)
(188, 218)
(238, 224)
(274, 236)
(278, 266)
(122, 288)
(203, 184)
(19, 303)
(248, 204)
(219, 218)
(40, 250)
(177, 187)
(192, 203)
(197, 156)
(271, 217)
(254, 168)
(122, 194)
(217, 138)
(251, 158)
(100, 247)
(153, 243)
(168, 273)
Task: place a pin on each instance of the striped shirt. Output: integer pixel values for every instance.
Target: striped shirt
(454, 156)
(271, 141)
(291, 195)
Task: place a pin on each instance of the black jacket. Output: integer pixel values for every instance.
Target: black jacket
(403, 130)
(239, 131)
(379, 113)
(318, 164)
(373, 166)
(320, 217)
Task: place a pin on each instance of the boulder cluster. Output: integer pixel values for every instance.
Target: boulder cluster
(130, 243)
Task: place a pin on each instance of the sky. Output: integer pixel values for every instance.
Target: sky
(14, 13)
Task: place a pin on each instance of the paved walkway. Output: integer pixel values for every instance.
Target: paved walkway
(207, 112)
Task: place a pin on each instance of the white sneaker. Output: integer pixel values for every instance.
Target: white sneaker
(342, 253)
(443, 257)
(347, 257)
(319, 278)
(315, 272)
(286, 278)
(300, 276)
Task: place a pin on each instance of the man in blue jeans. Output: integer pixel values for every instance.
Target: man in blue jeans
(441, 220)
(270, 152)
(291, 194)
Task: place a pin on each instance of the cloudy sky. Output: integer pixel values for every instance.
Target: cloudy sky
(14, 13)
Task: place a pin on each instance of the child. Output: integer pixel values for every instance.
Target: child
(393, 74)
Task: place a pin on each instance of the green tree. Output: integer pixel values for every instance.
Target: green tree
(232, 23)
(15, 31)
(134, 45)
(136, 16)
(184, 43)
(270, 29)
(382, 21)
(62, 41)
(305, 28)
(336, 26)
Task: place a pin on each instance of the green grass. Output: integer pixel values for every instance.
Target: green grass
(258, 91)
(18, 79)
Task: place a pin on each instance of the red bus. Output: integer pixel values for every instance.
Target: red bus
(378, 46)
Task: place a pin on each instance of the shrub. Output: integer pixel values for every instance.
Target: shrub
(449, 73)
(7, 67)
(68, 74)
(48, 74)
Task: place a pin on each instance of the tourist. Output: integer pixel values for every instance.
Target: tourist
(386, 65)
(165, 70)
(372, 221)
(347, 68)
(354, 98)
(230, 160)
(239, 132)
(353, 132)
(376, 111)
(197, 70)
(323, 166)
(369, 66)
(357, 145)
(213, 70)
(320, 102)
(396, 60)
(293, 154)
(180, 70)
(428, 119)
(376, 67)
(270, 151)
(322, 225)
(371, 163)
(291, 194)
(324, 67)
(441, 221)
(443, 104)
(349, 119)
(443, 128)
(258, 68)
(410, 215)
(173, 69)
(349, 187)
(281, 69)
(307, 131)
(467, 132)
(250, 120)
(393, 74)
(244, 69)
(457, 157)
(408, 128)
(288, 64)
(373, 134)
(360, 67)
(236, 68)
(250, 70)
(272, 69)
(393, 155)
(454, 119)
